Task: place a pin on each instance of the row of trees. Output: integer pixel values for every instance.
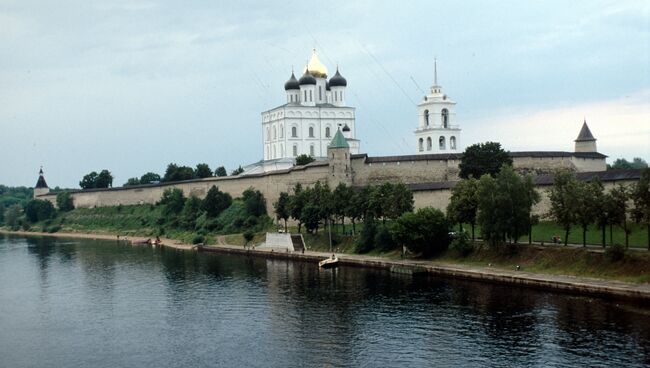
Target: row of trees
(178, 173)
(35, 210)
(581, 204)
(94, 180)
(621, 163)
(320, 205)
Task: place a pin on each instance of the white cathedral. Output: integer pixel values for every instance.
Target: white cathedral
(315, 109)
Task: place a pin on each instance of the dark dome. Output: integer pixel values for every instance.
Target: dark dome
(327, 86)
(307, 78)
(337, 80)
(346, 128)
(292, 83)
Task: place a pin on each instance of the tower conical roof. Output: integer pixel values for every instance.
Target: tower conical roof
(585, 134)
(339, 141)
(41, 180)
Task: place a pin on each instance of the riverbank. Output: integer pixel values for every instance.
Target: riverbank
(562, 283)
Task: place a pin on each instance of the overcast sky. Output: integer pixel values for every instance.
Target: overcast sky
(133, 85)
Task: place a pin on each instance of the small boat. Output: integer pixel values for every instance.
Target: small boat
(333, 261)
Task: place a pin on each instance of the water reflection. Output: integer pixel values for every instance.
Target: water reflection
(249, 311)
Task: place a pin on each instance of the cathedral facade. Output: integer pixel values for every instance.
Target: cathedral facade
(315, 109)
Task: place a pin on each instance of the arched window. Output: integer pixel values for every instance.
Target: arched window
(294, 132)
(429, 144)
(274, 151)
(295, 150)
(281, 131)
(441, 143)
(445, 118)
(305, 95)
(311, 132)
(327, 132)
(311, 150)
(311, 96)
(275, 133)
(452, 143)
(320, 92)
(268, 152)
(421, 144)
(426, 117)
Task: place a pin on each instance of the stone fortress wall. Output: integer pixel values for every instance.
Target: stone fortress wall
(431, 178)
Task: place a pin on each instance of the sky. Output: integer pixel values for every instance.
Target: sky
(131, 86)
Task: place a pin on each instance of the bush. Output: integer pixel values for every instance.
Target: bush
(39, 210)
(384, 240)
(64, 202)
(425, 232)
(25, 225)
(248, 236)
(615, 253)
(366, 241)
(53, 229)
(462, 245)
(198, 239)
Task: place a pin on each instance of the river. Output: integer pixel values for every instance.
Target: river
(86, 303)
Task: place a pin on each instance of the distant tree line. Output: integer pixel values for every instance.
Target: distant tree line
(94, 180)
(175, 172)
(24, 214)
(621, 163)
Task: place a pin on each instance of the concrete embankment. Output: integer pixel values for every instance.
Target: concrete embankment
(569, 284)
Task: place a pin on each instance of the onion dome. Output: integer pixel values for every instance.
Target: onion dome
(327, 86)
(337, 80)
(292, 83)
(307, 78)
(315, 67)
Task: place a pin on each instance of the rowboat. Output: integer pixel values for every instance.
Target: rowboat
(333, 261)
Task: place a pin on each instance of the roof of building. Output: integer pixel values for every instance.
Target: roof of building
(458, 156)
(585, 134)
(307, 78)
(337, 80)
(346, 128)
(41, 180)
(339, 141)
(315, 67)
(292, 83)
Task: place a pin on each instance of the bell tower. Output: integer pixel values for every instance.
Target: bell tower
(437, 131)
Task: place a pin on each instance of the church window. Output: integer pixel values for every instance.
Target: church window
(452, 143)
(305, 95)
(327, 132)
(320, 92)
(421, 144)
(445, 118)
(275, 133)
(294, 132)
(274, 151)
(311, 132)
(295, 150)
(429, 144)
(441, 143)
(311, 150)
(281, 131)
(336, 96)
(426, 117)
(268, 133)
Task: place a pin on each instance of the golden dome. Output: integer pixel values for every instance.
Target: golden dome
(315, 67)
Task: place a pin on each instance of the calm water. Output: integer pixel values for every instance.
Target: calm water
(79, 303)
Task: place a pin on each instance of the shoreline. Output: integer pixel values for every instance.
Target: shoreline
(557, 283)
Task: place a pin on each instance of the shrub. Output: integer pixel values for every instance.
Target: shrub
(39, 210)
(462, 245)
(248, 236)
(25, 225)
(425, 232)
(384, 240)
(615, 253)
(53, 229)
(366, 241)
(64, 202)
(198, 239)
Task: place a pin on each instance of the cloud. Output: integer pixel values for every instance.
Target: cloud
(621, 126)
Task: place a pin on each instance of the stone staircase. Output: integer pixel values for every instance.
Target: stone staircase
(298, 242)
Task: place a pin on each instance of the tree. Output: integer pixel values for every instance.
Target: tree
(641, 198)
(12, 215)
(104, 179)
(190, 212)
(173, 201)
(178, 173)
(304, 160)
(131, 182)
(483, 158)
(357, 207)
(310, 216)
(64, 202)
(400, 201)
(216, 201)
(621, 163)
(366, 241)
(220, 171)
(248, 237)
(202, 171)
(149, 178)
(341, 197)
(297, 202)
(586, 205)
(563, 201)
(463, 206)
(39, 210)
(504, 205)
(237, 171)
(620, 196)
(89, 181)
(425, 232)
(282, 208)
(254, 202)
